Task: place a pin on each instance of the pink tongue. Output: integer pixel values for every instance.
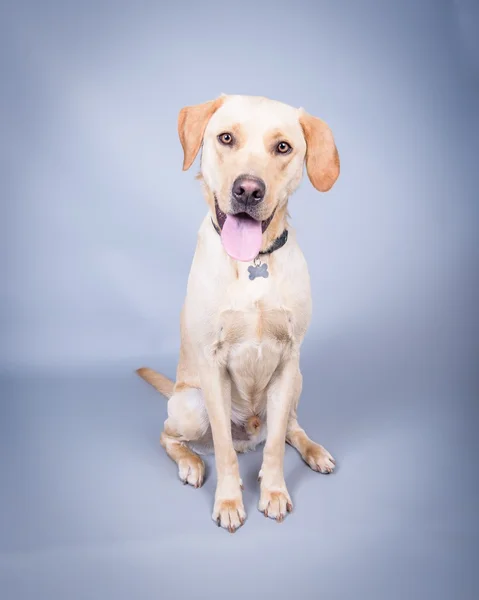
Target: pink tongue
(241, 237)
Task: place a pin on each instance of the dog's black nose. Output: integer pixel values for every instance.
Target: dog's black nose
(248, 190)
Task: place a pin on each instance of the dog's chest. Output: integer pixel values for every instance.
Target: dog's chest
(252, 341)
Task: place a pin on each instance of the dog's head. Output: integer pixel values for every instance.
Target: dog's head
(254, 151)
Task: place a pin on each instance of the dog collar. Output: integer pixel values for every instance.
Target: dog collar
(278, 243)
(259, 269)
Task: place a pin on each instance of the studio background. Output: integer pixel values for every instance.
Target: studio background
(98, 228)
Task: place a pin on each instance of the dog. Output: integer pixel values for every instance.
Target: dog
(248, 300)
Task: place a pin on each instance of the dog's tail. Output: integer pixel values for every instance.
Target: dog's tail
(161, 383)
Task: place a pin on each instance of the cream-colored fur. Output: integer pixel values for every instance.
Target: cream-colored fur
(238, 380)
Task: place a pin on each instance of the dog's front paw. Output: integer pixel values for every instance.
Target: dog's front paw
(319, 459)
(275, 503)
(229, 513)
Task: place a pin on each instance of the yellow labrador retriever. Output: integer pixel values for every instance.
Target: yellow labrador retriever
(248, 301)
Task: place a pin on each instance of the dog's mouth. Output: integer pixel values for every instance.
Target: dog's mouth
(241, 234)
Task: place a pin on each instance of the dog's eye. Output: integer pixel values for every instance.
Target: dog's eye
(283, 148)
(226, 138)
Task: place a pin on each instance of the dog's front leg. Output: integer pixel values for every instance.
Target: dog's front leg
(228, 509)
(275, 501)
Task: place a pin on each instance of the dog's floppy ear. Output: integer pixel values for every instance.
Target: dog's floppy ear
(322, 158)
(192, 122)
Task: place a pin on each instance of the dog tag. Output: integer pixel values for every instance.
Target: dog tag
(258, 269)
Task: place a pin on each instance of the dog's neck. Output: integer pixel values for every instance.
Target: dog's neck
(275, 230)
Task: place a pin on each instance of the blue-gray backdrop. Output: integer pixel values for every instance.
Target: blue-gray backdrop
(98, 227)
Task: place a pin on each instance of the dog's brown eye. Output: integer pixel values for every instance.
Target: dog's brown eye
(226, 138)
(283, 148)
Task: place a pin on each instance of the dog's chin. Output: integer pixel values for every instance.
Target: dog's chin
(243, 216)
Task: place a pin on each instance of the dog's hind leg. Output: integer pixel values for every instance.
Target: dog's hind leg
(187, 422)
(313, 454)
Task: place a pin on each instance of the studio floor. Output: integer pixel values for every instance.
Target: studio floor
(91, 506)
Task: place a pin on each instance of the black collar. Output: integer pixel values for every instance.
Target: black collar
(278, 243)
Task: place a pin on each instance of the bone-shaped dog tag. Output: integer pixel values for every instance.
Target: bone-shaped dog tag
(258, 270)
